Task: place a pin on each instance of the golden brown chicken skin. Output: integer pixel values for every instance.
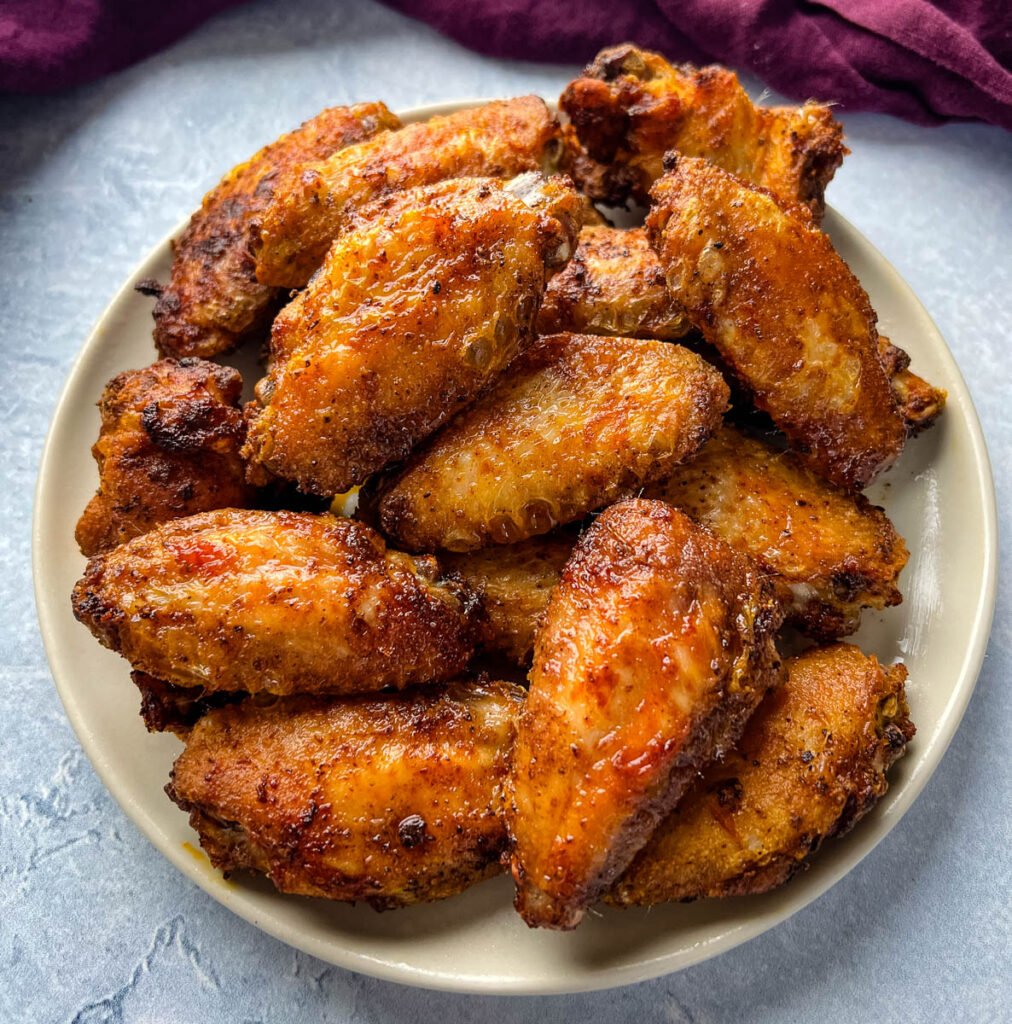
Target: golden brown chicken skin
(393, 799)
(168, 447)
(579, 421)
(657, 645)
(514, 584)
(828, 553)
(811, 762)
(613, 285)
(213, 301)
(771, 294)
(631, 107)
(421, 303)
(311, 201)
(276, 602)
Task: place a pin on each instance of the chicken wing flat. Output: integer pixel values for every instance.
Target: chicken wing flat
(514, 584)
(311, 201)
(168, 447)
(770, 293)
(828, 553)
(277, 602)
(632, 106)
(394, 799)
(811, 762)
(614, 285)
(579, 421)
(213, 301)
(420, 304)
(657, 645)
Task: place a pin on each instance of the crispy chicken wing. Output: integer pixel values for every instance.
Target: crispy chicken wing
(421, 302)
(828, 553)
(282, 602)
(657, 645)
(614, 284)
(514, 584)
(392, 799)
(578, 422)
(632, 106)
(811, 762)
(168, 447)
(311, 201)
(770, 293)
(213, 301)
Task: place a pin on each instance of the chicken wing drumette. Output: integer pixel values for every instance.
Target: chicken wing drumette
(276, 602)
(392, 799)
(168, 447)
(311, 201)
(631, 107)
(213, 301)
(657, 645)
(423, 300)
(811, 762)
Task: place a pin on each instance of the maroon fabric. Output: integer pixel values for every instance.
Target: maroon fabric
(925, 61)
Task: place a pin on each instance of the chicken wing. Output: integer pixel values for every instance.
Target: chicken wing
(788, 317)
(277, 602)
(811, 762)
(168, 447)
(514, 584)
(613, 285)
(657, 645)
(311, 201)
(579, 422)
(393, 799)
(828, 553)
(213, 301)
(420, 304)
(632, 106)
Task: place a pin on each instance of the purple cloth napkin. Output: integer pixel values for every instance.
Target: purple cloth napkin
(924, 61)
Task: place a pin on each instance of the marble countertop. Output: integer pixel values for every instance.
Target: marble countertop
(96, 925)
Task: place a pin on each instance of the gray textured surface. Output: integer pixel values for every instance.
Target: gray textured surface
(94, 924)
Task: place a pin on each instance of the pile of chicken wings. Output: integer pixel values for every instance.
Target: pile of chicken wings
(598, 472)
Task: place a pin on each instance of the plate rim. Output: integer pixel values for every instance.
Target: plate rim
(609, 977)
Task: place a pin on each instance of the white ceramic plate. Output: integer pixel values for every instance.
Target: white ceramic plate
(940, 496)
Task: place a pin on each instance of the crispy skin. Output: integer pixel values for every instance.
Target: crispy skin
(515, 583)
(168, 447)
(657, 645)
(394, 799)
(578, 422)
(920, 403)
(828, 553)
(792, 322)
(213, 301)
(311, 201)
(632, 106)
(176, 709)
(421, 303)
(614, 285)
(811, 762)
(282, 602)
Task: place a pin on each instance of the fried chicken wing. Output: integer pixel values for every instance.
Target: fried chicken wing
(828, 553)
(277, 602)
(311, 201)
(770, 293)
(168, 447)
(393, 799)
(213, 301)
(631, 107)
(421, 303)
(657, 645)
(811, 762)
(614, 284)
(578, 422)
(514, 584)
